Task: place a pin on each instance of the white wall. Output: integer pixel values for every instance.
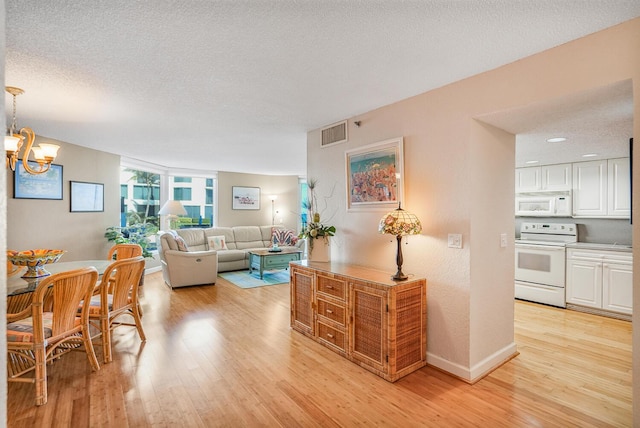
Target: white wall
(38, 223)
(459, 179)
(287, 204)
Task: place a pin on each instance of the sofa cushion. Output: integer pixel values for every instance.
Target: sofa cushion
(217, 242)
(247, 237)
(231, 256)
(227, 232)
(194, 239)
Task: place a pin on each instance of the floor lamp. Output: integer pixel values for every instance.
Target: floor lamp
(172, 209)
(273, 208)
(399, 223)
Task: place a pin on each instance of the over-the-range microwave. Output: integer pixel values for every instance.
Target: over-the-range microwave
(543, 205)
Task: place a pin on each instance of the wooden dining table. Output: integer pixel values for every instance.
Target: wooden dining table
(20, 290)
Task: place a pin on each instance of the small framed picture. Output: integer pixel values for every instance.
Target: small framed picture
(40, 186)
(245, 198)
(87, 197)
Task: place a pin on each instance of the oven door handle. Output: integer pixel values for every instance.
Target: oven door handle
(539, 247)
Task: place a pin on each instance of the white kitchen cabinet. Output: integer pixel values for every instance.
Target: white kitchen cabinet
(590, 189)
(600, 279)
(528, 179)
(556, 177)
(617, 287)
(602, 189)
(543, 178)
(619, 188)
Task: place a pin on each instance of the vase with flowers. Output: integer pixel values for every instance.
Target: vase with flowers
(314, 231)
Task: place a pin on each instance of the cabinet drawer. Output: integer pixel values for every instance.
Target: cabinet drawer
(331, 336)
(281, 259)
(331, 286)
(332, 311)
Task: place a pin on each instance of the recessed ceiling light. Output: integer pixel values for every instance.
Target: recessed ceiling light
(531, 162)
(556, 140)
(590, 155)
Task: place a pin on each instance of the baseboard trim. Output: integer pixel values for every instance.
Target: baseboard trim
(600, 312)
(152, 270)
(478, 371)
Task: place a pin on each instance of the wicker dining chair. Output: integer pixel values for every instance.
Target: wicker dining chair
(50, 327)
(118, 296)
(124, 251)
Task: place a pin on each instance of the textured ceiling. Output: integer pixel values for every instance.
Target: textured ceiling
(235, 85)
(597, 122)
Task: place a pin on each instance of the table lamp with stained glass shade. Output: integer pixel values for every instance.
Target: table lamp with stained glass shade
(399, 223)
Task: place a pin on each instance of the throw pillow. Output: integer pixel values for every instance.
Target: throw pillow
(283, 237)
(182, 245)
(217, 243)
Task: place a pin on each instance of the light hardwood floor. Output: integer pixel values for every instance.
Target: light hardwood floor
(221, 356)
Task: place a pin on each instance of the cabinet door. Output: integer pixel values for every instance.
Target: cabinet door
(584, 283)
(528, 179)
(368, 326)
(617, 288)
(302, 318)
(556, 177)
(619, 188)
(590, 189)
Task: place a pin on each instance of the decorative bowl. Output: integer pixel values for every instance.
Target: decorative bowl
(34, 260)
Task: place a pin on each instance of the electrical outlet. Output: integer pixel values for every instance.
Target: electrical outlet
(455, 240)
(503, 240)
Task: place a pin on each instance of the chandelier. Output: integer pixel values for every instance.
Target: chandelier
(44, 154)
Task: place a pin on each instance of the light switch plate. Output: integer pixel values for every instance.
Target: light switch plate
(455, 240)
(503, 240)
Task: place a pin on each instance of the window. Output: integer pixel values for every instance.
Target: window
(304, 204)
(144, 187)
(182, 194)
(199, 193)
(139, 203)
(193, 211)
(144, 192)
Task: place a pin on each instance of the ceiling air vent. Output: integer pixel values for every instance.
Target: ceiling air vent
(334, 134)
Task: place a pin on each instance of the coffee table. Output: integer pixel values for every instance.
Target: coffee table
(262, 260)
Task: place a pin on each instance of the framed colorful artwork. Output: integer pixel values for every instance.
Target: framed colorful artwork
(374, 175)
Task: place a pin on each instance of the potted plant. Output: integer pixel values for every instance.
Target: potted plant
(315, 232)
(133, 234)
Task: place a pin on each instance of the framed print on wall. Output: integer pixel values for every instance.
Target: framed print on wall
(245, 198)
(87, 197)
(374, 175)
(47, 185)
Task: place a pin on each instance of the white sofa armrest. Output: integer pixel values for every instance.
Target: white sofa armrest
(183, 268)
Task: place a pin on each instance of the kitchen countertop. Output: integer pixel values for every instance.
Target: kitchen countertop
(605, 247)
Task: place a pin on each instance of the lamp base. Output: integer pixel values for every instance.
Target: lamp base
(399, 276)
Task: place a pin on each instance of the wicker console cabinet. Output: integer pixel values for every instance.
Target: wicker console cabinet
(362, 314)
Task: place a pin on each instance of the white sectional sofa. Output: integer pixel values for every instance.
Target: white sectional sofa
(178, 266)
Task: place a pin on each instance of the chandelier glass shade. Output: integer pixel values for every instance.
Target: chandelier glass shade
(16, 139)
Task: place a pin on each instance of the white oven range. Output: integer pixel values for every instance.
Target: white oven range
(540, 262)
